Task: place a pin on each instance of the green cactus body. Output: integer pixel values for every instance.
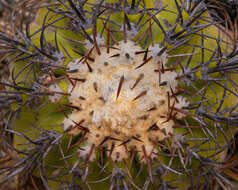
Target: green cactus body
(122, 95)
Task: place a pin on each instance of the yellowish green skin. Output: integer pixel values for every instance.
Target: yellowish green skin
(50, 115)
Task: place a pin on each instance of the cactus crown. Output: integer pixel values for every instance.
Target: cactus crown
(123, 98)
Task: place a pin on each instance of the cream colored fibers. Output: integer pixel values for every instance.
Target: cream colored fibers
(124, 99)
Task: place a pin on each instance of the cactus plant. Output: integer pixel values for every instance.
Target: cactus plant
(120, 95)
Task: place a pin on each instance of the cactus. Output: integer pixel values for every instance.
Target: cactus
(120, 95)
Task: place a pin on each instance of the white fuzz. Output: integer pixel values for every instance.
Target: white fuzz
(158, 53)
(187, 72)
(182, 102)
(84, 152)
(170, 79)
(61, 58)
(133, 32)
(124, 101)
(55, 88)
(100, 42)
(74, 65)
(128, 52)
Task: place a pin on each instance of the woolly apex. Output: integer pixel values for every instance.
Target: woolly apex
(123, 98)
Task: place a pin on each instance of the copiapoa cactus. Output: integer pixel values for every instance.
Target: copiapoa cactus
(132, 94)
